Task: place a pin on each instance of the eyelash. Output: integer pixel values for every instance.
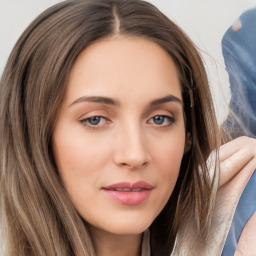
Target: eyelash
(87, 121)
(170, 119)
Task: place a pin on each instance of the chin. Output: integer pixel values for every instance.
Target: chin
(129, 227)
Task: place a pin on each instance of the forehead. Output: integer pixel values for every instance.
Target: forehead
(124, 64)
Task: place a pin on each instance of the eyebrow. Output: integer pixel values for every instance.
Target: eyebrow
(110, 101)
(166, 99)
(96, 99)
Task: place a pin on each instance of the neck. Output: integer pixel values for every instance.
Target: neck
(108, 244)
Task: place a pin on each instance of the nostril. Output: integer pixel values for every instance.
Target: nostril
(124, 164)
(131, 153)
(134, 164)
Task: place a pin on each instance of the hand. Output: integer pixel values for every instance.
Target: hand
(237, 164)
(236, 156)
(247, 242)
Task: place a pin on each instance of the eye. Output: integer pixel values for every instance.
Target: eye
(162, 120)
(94, 121)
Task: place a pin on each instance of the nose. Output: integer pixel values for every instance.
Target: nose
(131, 148)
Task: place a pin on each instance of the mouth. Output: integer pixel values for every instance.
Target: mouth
(129, 193)
(127, 189)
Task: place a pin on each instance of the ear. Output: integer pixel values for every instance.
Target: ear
(188, 142)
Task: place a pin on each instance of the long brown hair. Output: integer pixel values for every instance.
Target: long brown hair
(38, 218)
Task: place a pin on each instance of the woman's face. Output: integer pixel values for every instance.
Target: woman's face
(119, 138)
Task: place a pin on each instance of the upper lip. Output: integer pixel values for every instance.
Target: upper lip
(129, 186)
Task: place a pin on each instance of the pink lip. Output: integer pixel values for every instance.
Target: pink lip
(129, 193)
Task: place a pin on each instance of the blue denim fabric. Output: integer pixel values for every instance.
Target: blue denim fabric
(239, 52)
(245, 209)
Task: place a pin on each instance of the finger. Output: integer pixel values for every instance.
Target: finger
(242, 143)
(236, 165)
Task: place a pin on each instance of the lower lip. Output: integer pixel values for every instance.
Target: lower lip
(128, 198)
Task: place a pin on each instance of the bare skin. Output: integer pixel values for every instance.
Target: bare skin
(117, 148)
(236, 156)
(123, 245)
(247, 242)
(237, 163)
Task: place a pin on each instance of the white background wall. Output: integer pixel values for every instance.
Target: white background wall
(204, 21)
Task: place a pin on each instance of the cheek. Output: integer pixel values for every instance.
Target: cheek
(78, 159)
(167, 158)
(79, 162)
(73, 150)
(169, 167)
(169, 153)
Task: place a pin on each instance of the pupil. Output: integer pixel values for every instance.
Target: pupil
(158, 119)
(94, 120)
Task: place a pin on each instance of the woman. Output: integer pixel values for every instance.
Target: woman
(107, 124)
